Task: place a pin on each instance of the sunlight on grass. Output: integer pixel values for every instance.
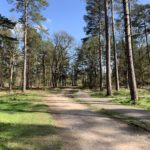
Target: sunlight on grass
(143, 101)
(26, 124)
(101, 94)
(26, 118)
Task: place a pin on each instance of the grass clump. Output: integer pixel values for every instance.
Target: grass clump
(142, 102)
(26, 124)
(123, 97)
(98, 94)
(123, 101)
(102, 94)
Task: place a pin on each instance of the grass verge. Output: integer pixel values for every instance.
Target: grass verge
(143, 102)
(26, 124)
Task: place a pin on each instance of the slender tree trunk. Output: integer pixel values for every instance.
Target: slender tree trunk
(100, 62)
(11, 73)
(44, 71)
(28, 72)
(126, 67)
(132, 39)
(131, 71)
(114, 48)
(25, 47)
(83, 79)
(108, 52)
(73, 77)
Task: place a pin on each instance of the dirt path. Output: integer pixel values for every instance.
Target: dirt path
(106, 103)
(82, 129)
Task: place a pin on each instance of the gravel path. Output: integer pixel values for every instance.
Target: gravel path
(141, 114)
(82, 129)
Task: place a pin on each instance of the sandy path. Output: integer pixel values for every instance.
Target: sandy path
(82, 129)
(143, 115)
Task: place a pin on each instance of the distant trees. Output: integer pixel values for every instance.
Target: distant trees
(47, 61)
(62, 41)
(95, 27)
(86, 63)
(8, 51)
(141, 24)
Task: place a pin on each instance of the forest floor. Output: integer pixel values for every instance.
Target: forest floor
(81, 128)
(64, 119)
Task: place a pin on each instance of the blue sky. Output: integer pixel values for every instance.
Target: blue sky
(62, 15)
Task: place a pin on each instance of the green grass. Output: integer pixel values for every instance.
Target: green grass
(143, 102)
(102, 94)
(26, 124)
(98, 94)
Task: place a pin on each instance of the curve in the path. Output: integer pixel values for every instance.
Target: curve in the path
(82, 129)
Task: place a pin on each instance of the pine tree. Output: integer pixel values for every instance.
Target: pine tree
(131, 71)
(114, 48)
(95, 20)
(108, 51)
(30, 13)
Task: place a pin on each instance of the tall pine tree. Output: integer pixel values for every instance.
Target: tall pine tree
(30, 13)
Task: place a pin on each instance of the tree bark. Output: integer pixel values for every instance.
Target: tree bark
(108, 52)
(25, 46)
(44, 71)
(100, 62)
(11, 72)
(131, 71)
(132, 37)
(28, 72)
(114, 48)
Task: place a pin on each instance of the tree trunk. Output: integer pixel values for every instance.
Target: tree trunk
(131, 71)
(100, 62)
(132, 38)
(28, 72)
(44, 71)
(25, 46)
(108, 52)
(11, 73)
(114, 48)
